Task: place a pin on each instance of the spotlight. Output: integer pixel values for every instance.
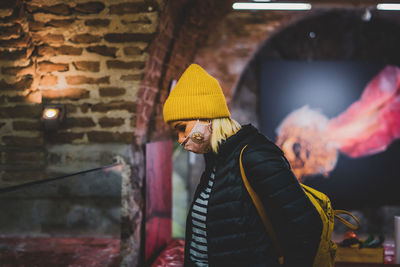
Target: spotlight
(52, 116)
(50, 113)
(366, 16)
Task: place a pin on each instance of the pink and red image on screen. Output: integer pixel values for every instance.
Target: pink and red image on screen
(312, 142)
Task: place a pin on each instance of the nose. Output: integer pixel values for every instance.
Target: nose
(181, 138)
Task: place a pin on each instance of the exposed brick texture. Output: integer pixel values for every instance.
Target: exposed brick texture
(127, 37)
(31, 97)
(85, 107)
(133, 51)
(61, 50)
(10, 32)
(35, 26)
(76, 80)
(103, 50)
(82, 122)
(48, 80)
(119, 64)
(85, 38)
(133, 8)
(47, 66)
(23, 111)
(65, 137)
(111, 91)
(59, 23)
(173, 49)
(92, 66)
(116, 105)
(68, 93)
(49, 38)
(19, 71)
(131, 77)
(71, 108)
(12, 55)
(23, 125)
(97, 22)
(17, 42)
(59, 9)
(90, 7)
(24, 83)
(110, 122)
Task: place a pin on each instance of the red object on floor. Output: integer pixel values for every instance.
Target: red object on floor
(60, 252)
(172, 255)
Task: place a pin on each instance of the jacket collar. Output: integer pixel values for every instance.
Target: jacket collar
(241, 138)
(228, 146)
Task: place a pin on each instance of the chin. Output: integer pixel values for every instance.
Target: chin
(193, 151)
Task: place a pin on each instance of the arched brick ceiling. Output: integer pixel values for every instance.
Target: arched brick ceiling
(338, 35)
(220, 39)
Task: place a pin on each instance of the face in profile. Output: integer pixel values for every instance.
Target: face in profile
(193, 135)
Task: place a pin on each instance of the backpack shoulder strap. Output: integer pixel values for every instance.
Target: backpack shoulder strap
(260, 209)
(345, 222)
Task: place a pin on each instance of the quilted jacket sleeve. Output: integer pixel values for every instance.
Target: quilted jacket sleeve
(295, 220)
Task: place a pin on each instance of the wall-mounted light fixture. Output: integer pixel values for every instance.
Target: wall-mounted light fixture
(52, 116)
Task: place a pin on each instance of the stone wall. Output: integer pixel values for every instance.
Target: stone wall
(91, 57)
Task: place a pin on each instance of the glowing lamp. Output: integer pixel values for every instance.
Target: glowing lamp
(52, 116)
(51, 113)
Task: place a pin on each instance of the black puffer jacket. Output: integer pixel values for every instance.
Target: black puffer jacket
(235, 233)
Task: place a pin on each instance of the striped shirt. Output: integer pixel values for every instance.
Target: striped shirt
(198, 245)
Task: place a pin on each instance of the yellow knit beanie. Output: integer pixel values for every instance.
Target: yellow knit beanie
(197, 95)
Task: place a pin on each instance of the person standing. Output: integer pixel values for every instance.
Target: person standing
(223, 227)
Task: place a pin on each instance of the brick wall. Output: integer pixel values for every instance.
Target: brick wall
(184, 29)
(211, 34)
(90, 56)
(236, 40)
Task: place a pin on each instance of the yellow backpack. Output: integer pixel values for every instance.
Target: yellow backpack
(325, 256)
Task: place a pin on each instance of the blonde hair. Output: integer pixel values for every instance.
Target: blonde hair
(222, 128)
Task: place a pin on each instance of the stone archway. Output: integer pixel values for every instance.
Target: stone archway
(183, 28)
(338, 35)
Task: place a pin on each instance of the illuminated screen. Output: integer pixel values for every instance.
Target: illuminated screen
(357, 173)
